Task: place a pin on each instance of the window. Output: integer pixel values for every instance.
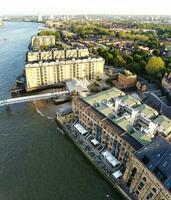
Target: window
(144, 179)
(154, 190)
(140, 186)
(131, 177)
(149, 196)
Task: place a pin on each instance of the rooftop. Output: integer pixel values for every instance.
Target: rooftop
(64, 61)
(157, 158)
(64, 110)
(147, 110)
(164, 122)
(103, 102)
(98, 98)
(131, 101)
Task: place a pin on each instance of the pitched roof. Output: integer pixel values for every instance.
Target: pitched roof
(156, 156)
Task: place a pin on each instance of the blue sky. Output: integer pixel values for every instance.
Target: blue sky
(160, 7)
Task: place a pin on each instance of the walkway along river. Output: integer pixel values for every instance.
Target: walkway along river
(37, 162)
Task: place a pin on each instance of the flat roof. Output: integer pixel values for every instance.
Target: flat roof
(64, 110)
(141, 137)
(98, 102)
(117, 174)
(147, 110)
(131, 101)
(98, 98)
(165, 122)
(123, 123)
(80, 128)
(110, 158)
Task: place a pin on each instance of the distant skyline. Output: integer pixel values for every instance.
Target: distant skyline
(113, 7)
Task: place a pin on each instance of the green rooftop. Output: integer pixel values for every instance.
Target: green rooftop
(141, 137)
(131, 101)
(147, 110)
(165, 122)
(107, 111)
(98, 98)
(98, 102)
(124, 124)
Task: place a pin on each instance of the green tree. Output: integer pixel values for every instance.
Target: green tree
(55, 33)
(137, 58)
(142, 64)
(136, 68)
(155, 64)
(129, 59)
(156, 52)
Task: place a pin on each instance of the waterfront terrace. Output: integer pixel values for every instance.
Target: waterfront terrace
(120, 122)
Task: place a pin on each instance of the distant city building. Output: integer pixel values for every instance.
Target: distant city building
(53, 23)
(39, 41)
(148, 173)
(51, 17)
(54, 54)
(1, 22)
(44, 74)
(40, 19)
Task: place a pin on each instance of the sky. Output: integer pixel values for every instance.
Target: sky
(130, 7)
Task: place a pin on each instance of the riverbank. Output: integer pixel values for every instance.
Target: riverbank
(95, 163)
(37, 161)
(47, 108)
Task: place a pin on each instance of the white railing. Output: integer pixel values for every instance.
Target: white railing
(31, 98)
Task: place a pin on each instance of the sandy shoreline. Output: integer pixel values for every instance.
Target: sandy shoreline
(46, 108)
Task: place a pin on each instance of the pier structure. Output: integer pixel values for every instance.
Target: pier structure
(16, 100)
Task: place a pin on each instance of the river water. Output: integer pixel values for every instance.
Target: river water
(37, 162)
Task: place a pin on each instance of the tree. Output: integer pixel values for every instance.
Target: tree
(155, 64)
(142, 64)
(156, 52)
(129, 59)
(137, 58)
(136, 68)
(46, 33)
(120, 61)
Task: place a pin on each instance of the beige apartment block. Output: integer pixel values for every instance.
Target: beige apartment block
(38, 41)
(33, 75)
(65, 70)
(51, 73)
(71, 53)
(33, 56)
(55, 54)
(46, 55)
(58, 54)
(82, 52)
(48, 74)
